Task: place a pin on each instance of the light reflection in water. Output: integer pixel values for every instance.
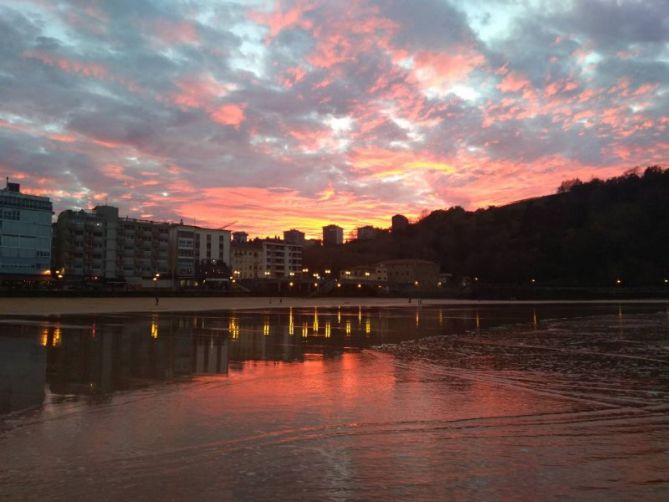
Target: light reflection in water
(315, 323)
(44, 337)
(57, 336)
(233, 328)
(384, 421)
(154, 326)
(159, 346)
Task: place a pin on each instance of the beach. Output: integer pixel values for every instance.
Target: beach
(361, 402)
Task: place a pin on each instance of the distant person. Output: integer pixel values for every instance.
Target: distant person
(157, 299)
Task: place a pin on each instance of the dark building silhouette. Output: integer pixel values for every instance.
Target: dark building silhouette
(399, 223)
(333, 235)
(293, 236)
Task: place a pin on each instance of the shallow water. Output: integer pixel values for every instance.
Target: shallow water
(354, 403)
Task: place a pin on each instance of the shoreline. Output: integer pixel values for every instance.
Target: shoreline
(22, 306)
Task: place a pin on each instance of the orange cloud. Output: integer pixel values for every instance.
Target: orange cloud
(258, 209)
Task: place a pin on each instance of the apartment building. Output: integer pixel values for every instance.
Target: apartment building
(100, 244)
(25, 233)
(193, 249)
(265, 259)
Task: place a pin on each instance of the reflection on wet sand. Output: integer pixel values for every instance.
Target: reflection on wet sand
(472, 402)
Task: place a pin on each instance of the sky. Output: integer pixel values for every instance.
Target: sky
(263, 116)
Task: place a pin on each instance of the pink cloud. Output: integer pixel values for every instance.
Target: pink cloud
(280, 19)
(514, 82)
(85, 69)
(229, 114)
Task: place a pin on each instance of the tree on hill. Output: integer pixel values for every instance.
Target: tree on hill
(589, 233)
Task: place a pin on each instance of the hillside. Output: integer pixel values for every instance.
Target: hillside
(587, 234)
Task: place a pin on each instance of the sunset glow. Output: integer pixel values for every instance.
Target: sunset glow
(300, 113)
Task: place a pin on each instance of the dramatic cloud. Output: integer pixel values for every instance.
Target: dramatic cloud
(299, 113)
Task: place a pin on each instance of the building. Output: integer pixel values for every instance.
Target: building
(367, 232)
(25, 233)
(197, 251)
(266, 259)
(281, 258)
(423, 274)
(247, 260)
(240, 237)
(399, 223)
(310, 243)
(333, 235)
(294, 237)
(362, 273)
(102, 245)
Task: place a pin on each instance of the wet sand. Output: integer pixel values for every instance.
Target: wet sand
(58, 306)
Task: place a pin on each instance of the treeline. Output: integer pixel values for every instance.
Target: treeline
(588, 234)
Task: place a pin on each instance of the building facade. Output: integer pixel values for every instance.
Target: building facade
(266, 259)
(333, 235)
(293, 236)
(247, 260)
(365, 233)
(399, 223)
(281, 258)
(25, 233)
(240, 237)
(101, 245)
(423, 274)
(197, 251)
